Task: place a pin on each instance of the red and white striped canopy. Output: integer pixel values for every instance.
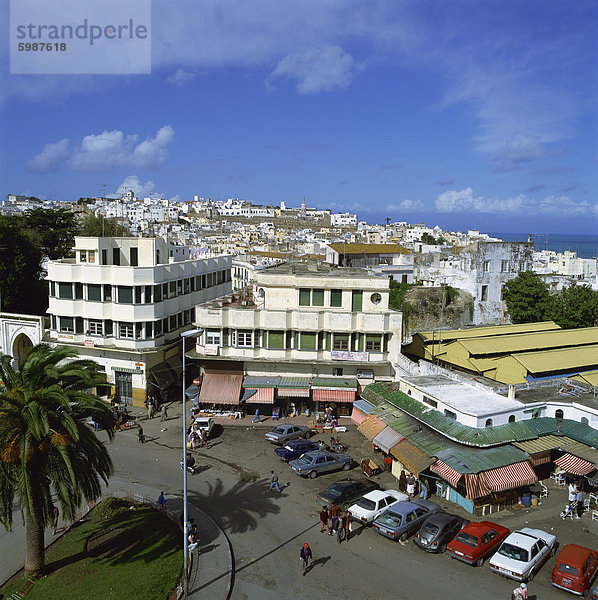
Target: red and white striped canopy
(475, 485)
(575, 465)
(333, 395)
(510, 477)
(446, 472)
(262, 396)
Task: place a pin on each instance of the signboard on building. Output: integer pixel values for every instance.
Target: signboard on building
(353, 356)
(365, 374)
(90, 343)
(211, 350)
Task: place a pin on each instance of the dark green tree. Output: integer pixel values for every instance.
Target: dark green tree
(527, 298)
(428, 238)
(21, 288)
(45, 445)
(575, 306)
(52, 229)
(94, 226)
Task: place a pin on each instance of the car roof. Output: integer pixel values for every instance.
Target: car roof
(481, 527)
(574, 554)
(298, 442)
(440, 518)
(521, 540)
(403, 507)
(378, 494)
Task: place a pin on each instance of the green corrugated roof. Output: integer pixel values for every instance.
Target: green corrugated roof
(260, 382)
(474, 460)
(294, 382)
(334, 383)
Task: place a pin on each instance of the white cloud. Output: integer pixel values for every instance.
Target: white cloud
(106, 150)
(315, 70)
(464, 200)
(519, 148)
(141, 189)
(50, 158)
(407, 206)
(182, 77)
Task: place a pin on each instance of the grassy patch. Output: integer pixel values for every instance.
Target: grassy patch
(124, 567)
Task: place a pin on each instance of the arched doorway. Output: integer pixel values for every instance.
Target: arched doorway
(21, 346)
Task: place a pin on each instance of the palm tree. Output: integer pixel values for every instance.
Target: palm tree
(45, 446)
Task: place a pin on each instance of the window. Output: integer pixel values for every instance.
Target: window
(373, 343)
(484, 295)
(158, 327)
(125, 330)
(356, 300)
(558, 414)
(91, 256)
(172, 323)
(336, 298)
(244, 339)
(179, 287)
(67, 324)
(488, 423)
(138, 294)
(430, 402)
(65, 290)
(304, 297)
(318, 297)
(376, 298)
(340, 341)
(125, 294)
(95, 327)
(308, 341)
(449, 414)
(149, 326)
(511, 418)
(213, 337)
(337, 371)
(138, 331)
(157, 293)
(108, 328)
(107, 293)
(83, 256)
(172, 289)
(116, 256)
(52, 288)
(504, 266)
(78, 290)
(584, 420)
(148, 294)
(94, 292)
(486, 266)
(276, 339)
(134, 257)
(104, 257)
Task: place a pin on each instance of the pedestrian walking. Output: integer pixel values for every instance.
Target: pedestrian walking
(257, 419)
(340, 532)
(55, 515)
(140, 435)
(579, 503)
(572, 492)
(163, 414)
(305, 554)
(193, 539)
(274, 481)
(423, 490)
(520, 593)
(324, 520)
(334, 515)
(347, 522)
(203, 437)
(162, 501)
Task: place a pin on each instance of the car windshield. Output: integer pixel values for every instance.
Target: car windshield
(514, 552)
(278, 430)
(334, 491)
(430, 528)
(565, 568)
(467, 539)
(367, 504)
(305, 460)
(390, 519)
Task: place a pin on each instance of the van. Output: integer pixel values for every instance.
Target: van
(204, 424)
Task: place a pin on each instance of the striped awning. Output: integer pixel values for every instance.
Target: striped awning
(475, 486)
(387, 438)
(294, 392)
(261, 396)
(575, 465)
(371, 427)
(221, 388)
(447, 473)
(333, 395)
(510, 477)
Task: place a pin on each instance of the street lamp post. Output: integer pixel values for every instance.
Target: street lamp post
(185, 335)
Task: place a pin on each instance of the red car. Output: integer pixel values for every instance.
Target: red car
(476, 541)
(575, 568)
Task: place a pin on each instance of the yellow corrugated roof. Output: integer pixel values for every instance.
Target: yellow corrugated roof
(343, 248)
(590, 377)
(543, 443)
(493, 330)
(560, 359)
(529, 341)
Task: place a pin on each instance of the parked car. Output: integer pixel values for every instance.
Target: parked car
(371, 505)
(294, 449)
(595, 593)
(402, 519)
(346, 491)
(575, 569)
(476, 541)
(204, 424)
(522, 554)
(281, 434)
(438, 530)
(311, 464)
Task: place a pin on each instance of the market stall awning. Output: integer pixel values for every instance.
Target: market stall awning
(221, 388)
(294, 387)
(333, 395)
(575, 465)
(192, 392)
(411, 456)
(261, 396)
(176, 365)
(294, 392)
(387, 438)
(161, 376)
(510, 477)
(447, 473)
(475, 486)
(371, 427)
(364, 406)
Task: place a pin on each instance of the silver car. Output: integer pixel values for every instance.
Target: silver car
(311, 464)
(281, 434)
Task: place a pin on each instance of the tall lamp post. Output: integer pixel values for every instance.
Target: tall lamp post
(185, 335)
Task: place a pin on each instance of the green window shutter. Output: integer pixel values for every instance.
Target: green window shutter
(78, 324)
(125, 294)
(78, 290)
(357, 300)
(318, 298)
(373, 343)
(275, 339)
(328, 341)
(361, 342)
(304, 297)
(308, 341)
(336, 298)
(94, 292)
(65, 290)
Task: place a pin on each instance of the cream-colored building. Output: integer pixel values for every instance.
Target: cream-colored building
(322, 329)
(123, 302)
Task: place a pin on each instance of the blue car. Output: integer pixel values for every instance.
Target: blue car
(294, 449)
(311, 464)
(404, 518)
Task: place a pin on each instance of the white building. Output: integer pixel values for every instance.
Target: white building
(124, 302)
(343, 220)
(321, 330)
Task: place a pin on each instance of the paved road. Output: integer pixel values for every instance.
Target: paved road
(267, 529)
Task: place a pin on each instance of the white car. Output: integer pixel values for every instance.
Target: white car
(370, 506)
(522, 554)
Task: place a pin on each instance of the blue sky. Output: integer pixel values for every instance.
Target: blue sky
(462, 114)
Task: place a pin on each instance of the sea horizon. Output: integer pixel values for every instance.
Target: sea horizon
(585, 244)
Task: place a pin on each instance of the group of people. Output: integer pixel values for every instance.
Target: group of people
(575, 505)
(197, 438)
(341, 523)
(411, 486)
